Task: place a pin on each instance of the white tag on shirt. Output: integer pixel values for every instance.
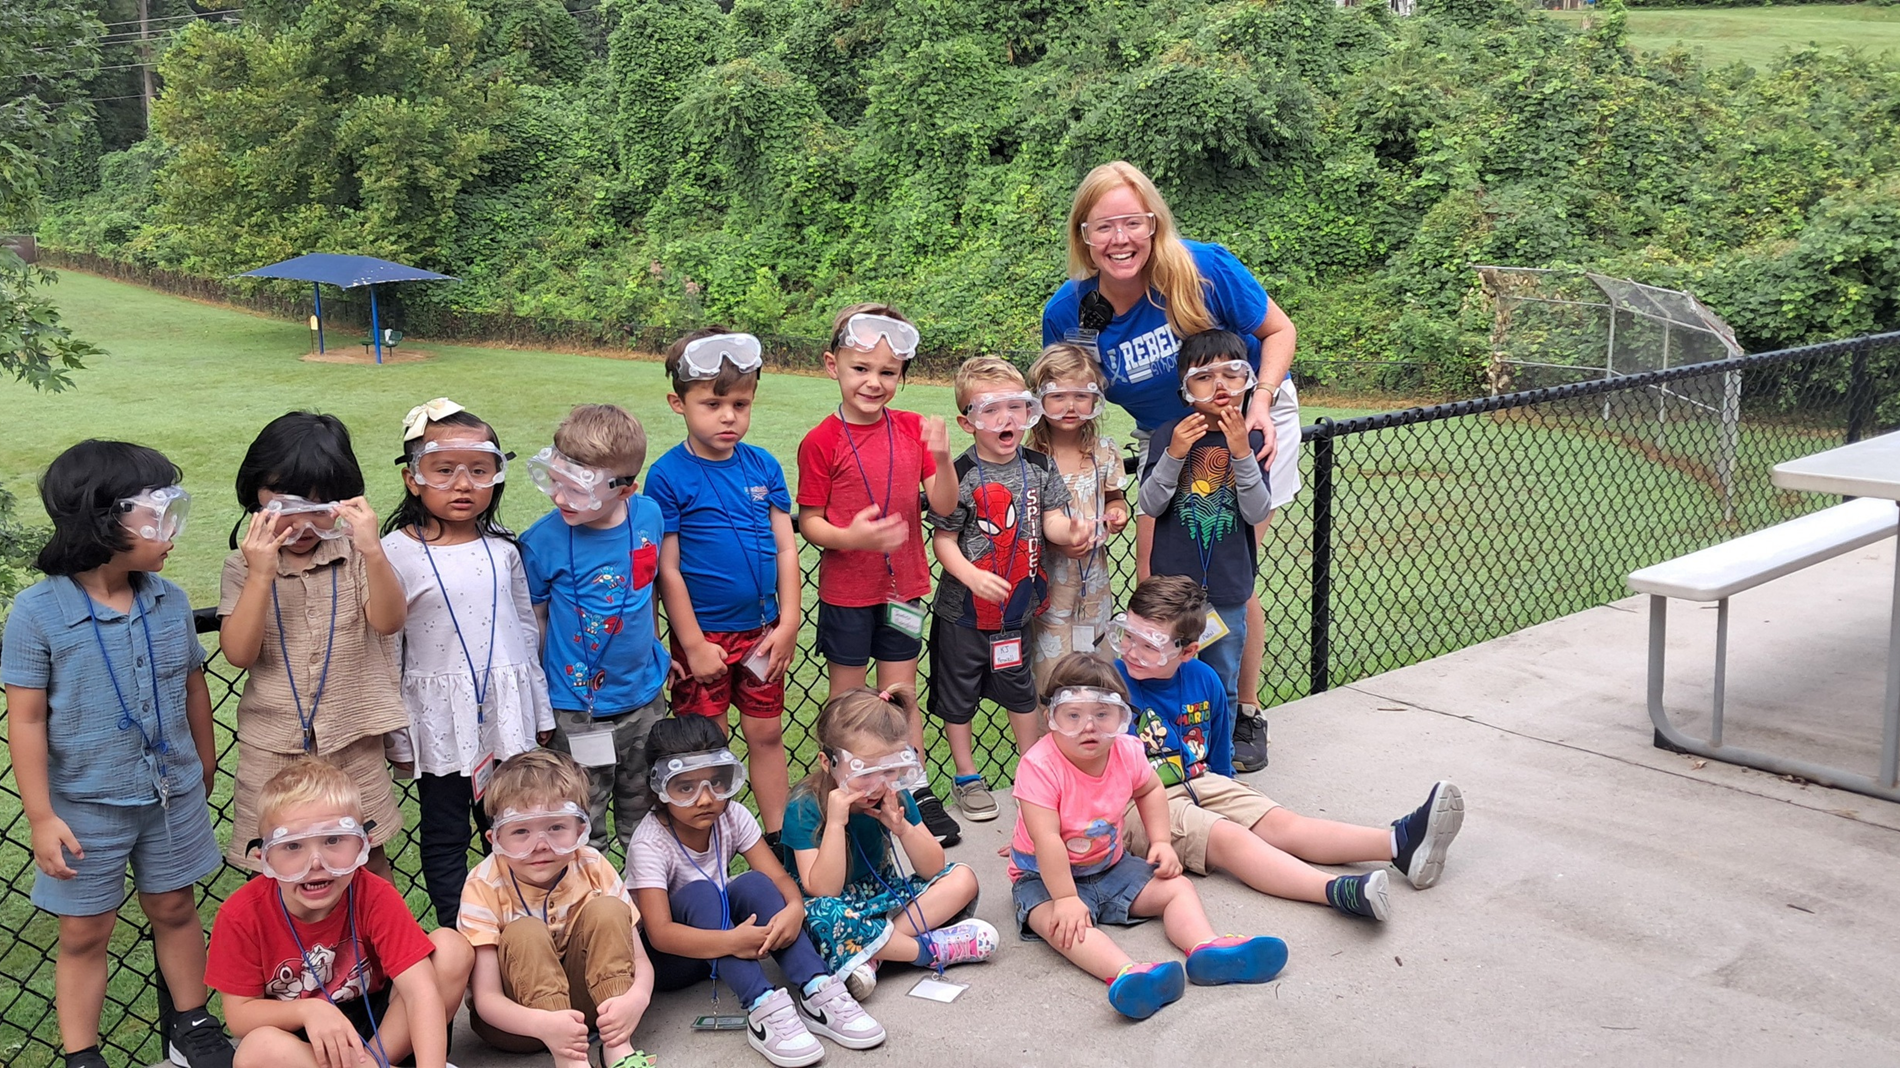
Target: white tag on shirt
(593, 749)
(931, 988)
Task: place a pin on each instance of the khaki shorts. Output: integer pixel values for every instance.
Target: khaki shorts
(1191, 825)
(362, 760)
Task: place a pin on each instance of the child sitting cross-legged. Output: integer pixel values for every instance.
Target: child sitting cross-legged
(1184, 720)
(552, 926)
(1071, 871)
(848, 824)
(307, 955)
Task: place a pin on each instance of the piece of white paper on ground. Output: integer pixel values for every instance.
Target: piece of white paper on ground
(932, 988)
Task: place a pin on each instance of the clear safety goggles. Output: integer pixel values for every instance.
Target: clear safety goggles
(299, 515)
(1068, 400)
(1004, 411)
(1231, 376)
(679, 780)
(1077, 710)
(158, 514)
(577, 486)
(338, 848)
(863, 330)
(1139, 643)
(872, 776)
(440, 463)
(1102, 231)
(702, 359)
(517, 834)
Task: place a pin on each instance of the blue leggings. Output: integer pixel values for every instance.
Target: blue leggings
(697, 905)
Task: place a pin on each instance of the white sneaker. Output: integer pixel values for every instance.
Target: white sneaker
(775, 1030)
(862, 980)
(833, 1013)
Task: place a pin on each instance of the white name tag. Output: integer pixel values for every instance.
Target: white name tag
(593, 749)
(931, 988)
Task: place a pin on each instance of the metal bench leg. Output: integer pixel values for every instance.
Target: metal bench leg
(1721, 670)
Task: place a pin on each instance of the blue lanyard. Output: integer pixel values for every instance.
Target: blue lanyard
(128, 721)
(1022, 473)
(745, 475)
(482, 680)
(890, 458)
(546, 898)
(356, 948)
(308, 723)
(590, 665)
(725, 906)
(903, 894)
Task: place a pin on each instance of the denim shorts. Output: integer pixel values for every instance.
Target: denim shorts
(1108, 894)
(168, 848)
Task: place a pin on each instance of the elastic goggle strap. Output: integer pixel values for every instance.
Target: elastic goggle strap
(297, 511)
(668, 777)
(863, 330)
(158, 514)
(702, 359)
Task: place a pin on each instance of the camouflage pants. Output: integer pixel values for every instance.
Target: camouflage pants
(625, 781)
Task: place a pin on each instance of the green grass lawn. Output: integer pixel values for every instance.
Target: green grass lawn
(1755, 35)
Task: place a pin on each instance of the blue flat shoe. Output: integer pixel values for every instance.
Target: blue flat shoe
(1139, 992)
(1233, 959)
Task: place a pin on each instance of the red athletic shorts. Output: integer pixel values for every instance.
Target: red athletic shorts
(736, 688)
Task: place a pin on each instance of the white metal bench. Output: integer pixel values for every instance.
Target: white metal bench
(1718, 573)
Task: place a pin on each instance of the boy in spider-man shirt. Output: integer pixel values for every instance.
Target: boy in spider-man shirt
(1009, 502)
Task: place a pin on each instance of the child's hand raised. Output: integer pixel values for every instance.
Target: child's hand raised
(936, 436)
(838, 805)
(1233, 426)
(261, 541)
(1068, 920)
(868, 533)
(1186, 432)
(1167, 863)
(890, 812)
(362, 520)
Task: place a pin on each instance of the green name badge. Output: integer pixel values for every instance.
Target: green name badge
(906, 616)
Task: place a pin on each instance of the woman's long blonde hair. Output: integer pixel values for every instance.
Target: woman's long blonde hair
(1059, 361)
(1171, 268)
(853, 714)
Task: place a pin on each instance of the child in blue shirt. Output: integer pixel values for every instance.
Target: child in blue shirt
(591, 566)
(728, 566)
(109, 727)
(1183, 718)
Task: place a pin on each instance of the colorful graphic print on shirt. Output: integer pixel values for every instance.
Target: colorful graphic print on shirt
(293, 978)
(596, 631)
(1176, 765)
(1206, 499)
(1002, 523)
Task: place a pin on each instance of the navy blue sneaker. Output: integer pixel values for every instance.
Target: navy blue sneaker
(1420, 839)
(1360, 895)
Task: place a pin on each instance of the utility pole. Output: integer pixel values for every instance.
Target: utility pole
(145, 58)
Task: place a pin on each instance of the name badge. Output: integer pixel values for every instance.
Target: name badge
(906, 616)
(593, 749)
(1006, 651)
(1081, 639)
(1215, 630)
(484, 771)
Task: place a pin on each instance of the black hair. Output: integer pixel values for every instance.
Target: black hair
(81, 491)
(1208, 346)
(675, 735)
(299, 453)
(411, 513)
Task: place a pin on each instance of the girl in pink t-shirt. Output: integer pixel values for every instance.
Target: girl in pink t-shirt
(1067, 865)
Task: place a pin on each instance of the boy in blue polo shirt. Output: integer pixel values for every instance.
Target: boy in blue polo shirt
(728, 566)
(591, 566)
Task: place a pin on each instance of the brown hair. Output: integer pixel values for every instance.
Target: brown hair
(603, 435)
(307, 780)
(1084, 669)
(722, 383)
(536, 777)
(1058, 361)
(1174, 601)
(984, 371)
(852, 714)
(1170, 268)
(844, 316)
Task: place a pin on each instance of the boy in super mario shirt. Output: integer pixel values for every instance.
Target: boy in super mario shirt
(591, 566)
(1009, 501)
(1183, 719)
(306, 980)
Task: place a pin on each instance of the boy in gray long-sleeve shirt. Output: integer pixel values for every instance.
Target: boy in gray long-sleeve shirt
(1206, 492)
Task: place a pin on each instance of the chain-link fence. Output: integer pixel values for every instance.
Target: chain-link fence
(1418, 532)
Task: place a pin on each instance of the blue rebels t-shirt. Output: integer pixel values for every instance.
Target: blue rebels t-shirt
(598, 586)
(1138, 347)
(722, 512)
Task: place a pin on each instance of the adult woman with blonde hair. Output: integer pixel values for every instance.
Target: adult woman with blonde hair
(1135, 289)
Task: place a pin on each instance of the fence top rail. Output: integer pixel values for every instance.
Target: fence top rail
(1327, 428)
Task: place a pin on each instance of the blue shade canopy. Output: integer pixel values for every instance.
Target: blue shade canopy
(345, 272)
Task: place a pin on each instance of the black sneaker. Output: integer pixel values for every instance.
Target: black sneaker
(90, 1057)
(1250, 740)
(946, 831)
(198, 1040)
(1422, 837)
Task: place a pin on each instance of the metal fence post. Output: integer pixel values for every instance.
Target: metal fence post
(1320, 668)
(1860, 393)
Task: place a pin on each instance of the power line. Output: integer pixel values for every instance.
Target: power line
(175, 18)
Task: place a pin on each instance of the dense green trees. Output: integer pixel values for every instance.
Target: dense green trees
(667, 162)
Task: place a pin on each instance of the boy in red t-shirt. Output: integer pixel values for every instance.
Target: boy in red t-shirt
(858, 473)
(305, 981)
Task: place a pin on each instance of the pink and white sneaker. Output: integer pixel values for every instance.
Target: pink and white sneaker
(965, 943)
(831, 1011)
(775, 1030)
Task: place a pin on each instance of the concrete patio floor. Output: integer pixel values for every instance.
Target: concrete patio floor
(1607, 903)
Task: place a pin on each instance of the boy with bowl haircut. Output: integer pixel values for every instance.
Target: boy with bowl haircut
(729, 573)
(556, 949)
(1216, 822)
(308, 982)
(591, 567)
(1009, 501)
